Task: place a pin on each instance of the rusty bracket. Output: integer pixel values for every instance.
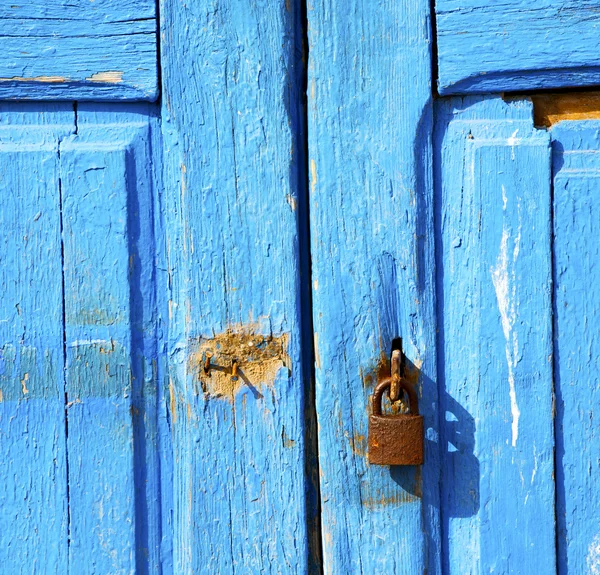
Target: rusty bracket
(208, 367)
(207, 364)
(397, 374)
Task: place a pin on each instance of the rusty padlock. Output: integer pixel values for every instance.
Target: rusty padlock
(395, 439)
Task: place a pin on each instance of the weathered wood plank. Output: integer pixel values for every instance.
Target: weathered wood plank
(576, 164)
(107, 191)
(492, 172)
(230, 122)
(33, 497)
(488, 46)
(372, 258)
(79, 50)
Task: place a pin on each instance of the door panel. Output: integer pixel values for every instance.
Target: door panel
(513, 45)
(495, 321)
(33, 498)
(107, 194)
(79, 50)
(81, 454)
(370, 123)
(576, 167)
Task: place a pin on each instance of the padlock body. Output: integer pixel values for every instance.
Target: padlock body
(396, 439)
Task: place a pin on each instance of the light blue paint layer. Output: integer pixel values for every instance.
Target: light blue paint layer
(79, 50)
(369, 111)
(492, 172)
(231, 122)
(513, 45)
(107, 200)
(33, 497)
(576, 166)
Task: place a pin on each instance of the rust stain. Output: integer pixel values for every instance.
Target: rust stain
(549, 109)
(288, 443)
(107, 350)
(391, 499)
(239, 357)
(109, 77)
(1, 396)
(409, 491)
(41, 79)
(358, 443)
(377, 372)
(172, 402)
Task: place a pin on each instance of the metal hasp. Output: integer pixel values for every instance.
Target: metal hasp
(395, 439)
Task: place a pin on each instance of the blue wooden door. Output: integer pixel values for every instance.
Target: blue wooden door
(450, 222)
(153, 325)
(218, 218)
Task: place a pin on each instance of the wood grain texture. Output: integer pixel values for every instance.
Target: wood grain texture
(110, 332)
(230, 122)
(369, 111)
(492, 172)
(79, 50)
(576, 167)
(516, 45)
(33, 498)
(550, 108)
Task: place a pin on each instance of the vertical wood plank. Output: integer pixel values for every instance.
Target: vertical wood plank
(369, 124)
(576, 165)
(494, 281)
(230, 122)
(107, 196)
(33, 497)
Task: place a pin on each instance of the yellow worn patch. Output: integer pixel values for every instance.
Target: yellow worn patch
(549, 109)
(238, 357)
(41, 79)
(109, 77)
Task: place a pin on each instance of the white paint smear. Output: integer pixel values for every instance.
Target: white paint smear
(593, 557)
(512, 142)
(82, 342)
(505, 287)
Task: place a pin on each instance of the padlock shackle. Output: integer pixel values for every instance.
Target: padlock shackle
(386, 384)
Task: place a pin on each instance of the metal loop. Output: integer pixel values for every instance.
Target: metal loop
(396, 384)
(385, 384)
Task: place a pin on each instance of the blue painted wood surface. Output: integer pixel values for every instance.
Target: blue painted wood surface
(110, 332)
(231, 121)
(512, 45)
(33, 497)
(576, 166)
(370, 121)
(79, 50)
(124, 454)
(492, 172)
(81, 455)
